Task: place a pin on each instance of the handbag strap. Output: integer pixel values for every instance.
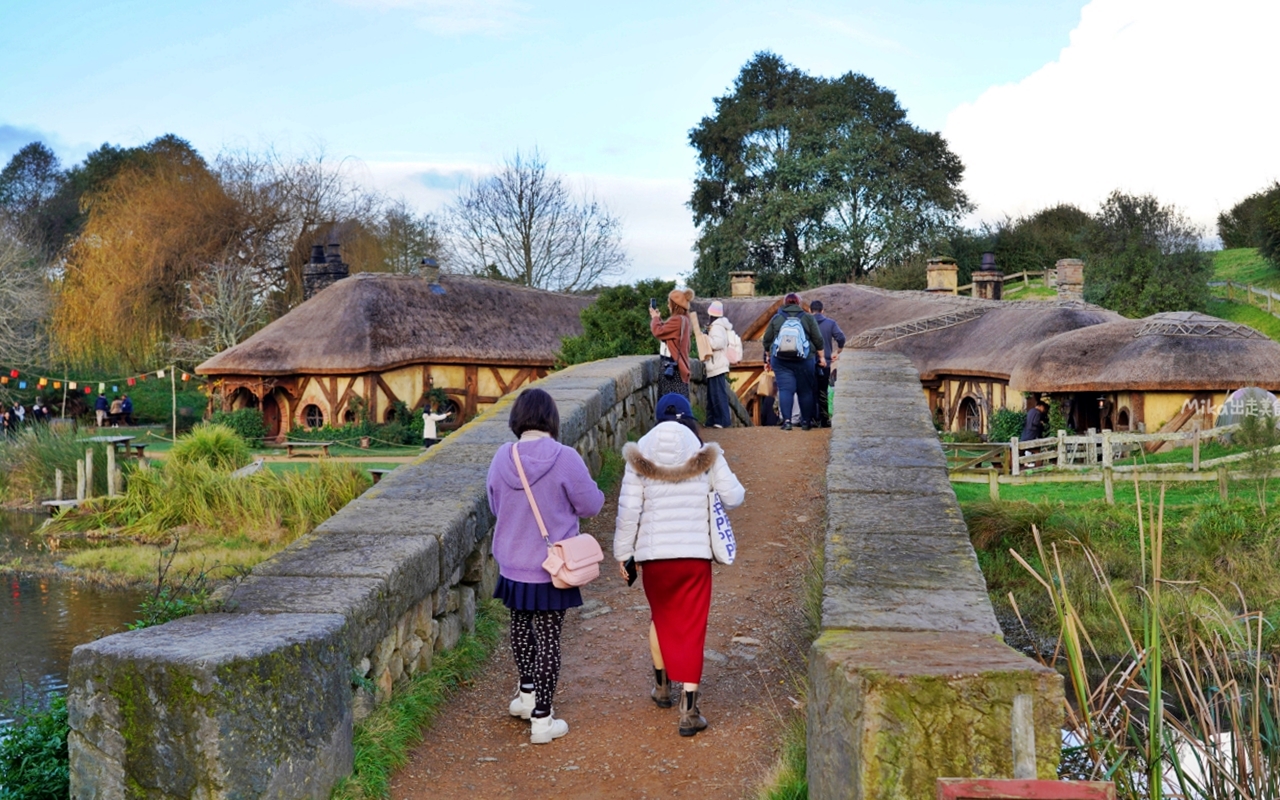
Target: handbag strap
(528, 492)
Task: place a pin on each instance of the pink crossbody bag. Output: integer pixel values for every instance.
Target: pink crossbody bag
(574, 561)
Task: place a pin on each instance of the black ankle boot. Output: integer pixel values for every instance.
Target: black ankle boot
(661, 688)
(691, 720)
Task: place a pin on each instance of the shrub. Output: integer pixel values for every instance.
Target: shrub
(909, 273)
(33, 755)
(1245, 224)
(1006, 424)
(617, 324)
(218, 446)
(246, 422)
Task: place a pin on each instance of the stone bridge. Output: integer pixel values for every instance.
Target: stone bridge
(909, 678)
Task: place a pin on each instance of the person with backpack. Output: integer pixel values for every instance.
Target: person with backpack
(825, 377)
(560, 484)
(663, 528)
(675, 333)
(793, 343)
(726, 349)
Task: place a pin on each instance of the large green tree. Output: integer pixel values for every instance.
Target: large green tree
(1143, 258)
(809, 180)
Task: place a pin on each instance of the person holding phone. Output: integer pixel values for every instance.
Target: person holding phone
(664, 524)
(674, 334)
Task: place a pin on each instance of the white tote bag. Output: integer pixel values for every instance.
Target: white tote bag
(723, 546)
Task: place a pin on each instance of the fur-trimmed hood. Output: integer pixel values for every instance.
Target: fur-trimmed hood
(670, 453)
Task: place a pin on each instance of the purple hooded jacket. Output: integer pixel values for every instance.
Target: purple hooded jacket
(564, 490)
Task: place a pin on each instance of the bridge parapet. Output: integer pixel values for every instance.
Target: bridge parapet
(260, 701)
(909, 679)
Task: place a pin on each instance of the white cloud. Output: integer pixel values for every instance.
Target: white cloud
(456, 17)
(658, 231)
(1172, 97)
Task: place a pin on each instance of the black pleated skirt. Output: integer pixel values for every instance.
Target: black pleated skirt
(519, 596)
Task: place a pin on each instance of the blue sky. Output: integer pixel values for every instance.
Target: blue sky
(421, 93)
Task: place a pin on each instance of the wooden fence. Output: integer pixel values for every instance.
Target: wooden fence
(1267, 300)
(1026, 277)
(1090, 458)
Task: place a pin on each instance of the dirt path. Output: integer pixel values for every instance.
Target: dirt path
(620, 744)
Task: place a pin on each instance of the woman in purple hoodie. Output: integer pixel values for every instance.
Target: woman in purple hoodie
(564, 491)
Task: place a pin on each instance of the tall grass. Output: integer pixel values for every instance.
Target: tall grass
(214, 445)
(28, 462)
(265, 508)
(1192, 707)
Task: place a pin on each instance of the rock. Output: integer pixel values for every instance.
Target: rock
(746, 640)
(715, 657)
(467, 608)
(450, 632)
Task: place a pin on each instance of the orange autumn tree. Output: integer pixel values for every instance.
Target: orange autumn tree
(153, 229)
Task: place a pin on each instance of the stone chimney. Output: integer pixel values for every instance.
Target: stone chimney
(325, 267)
(1070, 279)
(429, 269)
(943, 275)
(988, 282)
(742, 284)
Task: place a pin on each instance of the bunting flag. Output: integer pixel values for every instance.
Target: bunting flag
(71, 386)
(15, 376)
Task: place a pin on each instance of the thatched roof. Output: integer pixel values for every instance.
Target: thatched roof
(986, 338)
(375, 321)
(1180, 351)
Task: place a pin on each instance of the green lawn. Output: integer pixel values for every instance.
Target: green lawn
(1254, 317)
(1245, 265)
(1069, 494)
(1035, 291)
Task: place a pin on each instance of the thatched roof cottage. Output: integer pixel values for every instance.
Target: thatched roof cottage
(388, 339)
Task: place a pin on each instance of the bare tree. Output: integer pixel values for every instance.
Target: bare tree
(227, 306)
(25, 298)
(523, 225)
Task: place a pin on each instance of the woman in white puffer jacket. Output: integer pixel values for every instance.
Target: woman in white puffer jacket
(664, 522)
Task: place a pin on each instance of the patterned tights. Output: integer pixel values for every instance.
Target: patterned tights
(535, 643)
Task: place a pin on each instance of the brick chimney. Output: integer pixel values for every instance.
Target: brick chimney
(1070, 279)
(943, 275)
(988, 282)
(742, 284)
(326, 267)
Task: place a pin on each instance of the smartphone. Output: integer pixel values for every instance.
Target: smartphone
(653, 302)
(632, 573)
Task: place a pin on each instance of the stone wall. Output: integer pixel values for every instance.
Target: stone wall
(260, 701)
(910, 680)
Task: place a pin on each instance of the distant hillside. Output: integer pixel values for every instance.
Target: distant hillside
(1245, 265)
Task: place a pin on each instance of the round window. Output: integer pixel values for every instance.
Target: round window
(312, 416)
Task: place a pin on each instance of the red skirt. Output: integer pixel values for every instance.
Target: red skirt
(679, 595)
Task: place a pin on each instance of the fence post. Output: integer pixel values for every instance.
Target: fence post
(1195, 447)
(57, 484)
(1091, 447)
(1107, 457)
(111, 471)
(1222, 483)
(88, 473)
(1017, 456)
(993, 481)
(1062, 449)
(1108, 483)
(79, 480)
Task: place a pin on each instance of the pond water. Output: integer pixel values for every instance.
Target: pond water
(43, 618)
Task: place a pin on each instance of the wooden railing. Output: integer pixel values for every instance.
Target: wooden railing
(1026, 277)
(1268, 301)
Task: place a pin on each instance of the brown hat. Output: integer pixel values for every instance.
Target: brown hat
(680, 297)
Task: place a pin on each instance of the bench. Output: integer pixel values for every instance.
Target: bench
(377, 474)
(139, 451)
(55, 506)
(296, 448)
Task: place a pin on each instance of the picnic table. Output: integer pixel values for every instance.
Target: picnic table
(294, 448)
(121, 444)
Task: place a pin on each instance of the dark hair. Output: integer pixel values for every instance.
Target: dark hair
(534, 410)
(816, 305)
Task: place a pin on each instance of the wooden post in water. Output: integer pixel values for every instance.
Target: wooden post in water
(1195, 447)
(1015, 456)
(111, 471)
(57, 484)
(79, 480)
(88, 473)
(993, 480)
(1108, 483)
(1222, 482)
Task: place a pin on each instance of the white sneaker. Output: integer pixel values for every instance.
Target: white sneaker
(522, 705)
(544, 729)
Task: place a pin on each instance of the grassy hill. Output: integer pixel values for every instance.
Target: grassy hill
(1245, 265)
